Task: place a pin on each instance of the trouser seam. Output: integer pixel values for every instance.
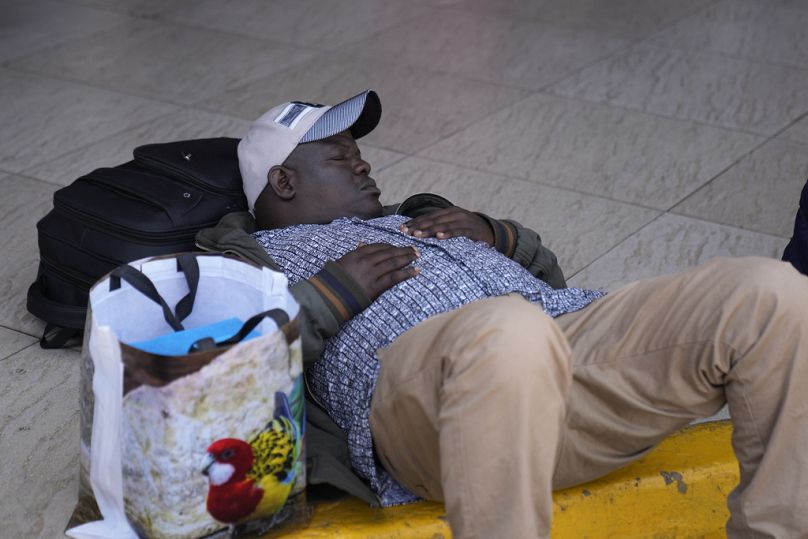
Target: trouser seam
(633, 355)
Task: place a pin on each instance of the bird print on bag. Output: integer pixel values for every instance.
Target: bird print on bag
(253, 479)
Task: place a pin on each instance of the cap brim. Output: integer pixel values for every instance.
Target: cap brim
(360, 114)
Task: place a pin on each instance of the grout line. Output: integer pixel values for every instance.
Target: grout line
(530, 181)
(689, 217)
(38, 180)
(734, 227)
(618, 244)
(26, 347)
(625, 108)
(87, 84)
(775, 136)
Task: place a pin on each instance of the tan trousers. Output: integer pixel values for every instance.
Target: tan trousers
(490, 407)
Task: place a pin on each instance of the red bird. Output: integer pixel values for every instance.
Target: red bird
(253, 480)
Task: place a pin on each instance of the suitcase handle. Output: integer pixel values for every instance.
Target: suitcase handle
(186, 263)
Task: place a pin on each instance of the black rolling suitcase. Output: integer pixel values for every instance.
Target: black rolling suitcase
(150, 206)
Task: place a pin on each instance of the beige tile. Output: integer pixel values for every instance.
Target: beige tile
(171, 62)
(25, 201)
(797, 132)
(750, 30)
(419, 107)
(621, 18)
(39, 441)
(670, 244)
(12, 342)
(689, 85)
(485, 47)
(316, 23)
(185, 124)
(761, 192)
(30, 25)
(577, 227)
(43, 118)
(629, 156)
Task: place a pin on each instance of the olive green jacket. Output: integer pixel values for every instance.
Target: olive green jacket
(320, 318)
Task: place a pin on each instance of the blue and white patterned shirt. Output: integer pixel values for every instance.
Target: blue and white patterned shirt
(454, 272)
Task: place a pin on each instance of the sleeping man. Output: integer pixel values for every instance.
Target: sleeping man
(456, 365)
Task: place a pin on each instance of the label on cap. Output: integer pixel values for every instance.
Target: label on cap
(294, 112)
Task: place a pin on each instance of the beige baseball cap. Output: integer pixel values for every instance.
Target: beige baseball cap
(273, 136)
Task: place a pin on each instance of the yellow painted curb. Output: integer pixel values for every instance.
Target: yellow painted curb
(677, 490)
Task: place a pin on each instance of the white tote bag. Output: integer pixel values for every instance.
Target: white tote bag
(187, 444)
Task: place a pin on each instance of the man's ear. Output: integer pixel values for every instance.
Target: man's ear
(281, 180)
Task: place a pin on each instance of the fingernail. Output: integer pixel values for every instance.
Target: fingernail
(416, 271)
(417, 251)
(403, 228)
(441, 234)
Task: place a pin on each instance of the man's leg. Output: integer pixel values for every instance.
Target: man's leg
(652, 356)
(468, 409)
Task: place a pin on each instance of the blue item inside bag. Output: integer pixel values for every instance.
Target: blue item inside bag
(178, 343)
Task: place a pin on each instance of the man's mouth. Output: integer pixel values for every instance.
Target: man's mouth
(370, 187)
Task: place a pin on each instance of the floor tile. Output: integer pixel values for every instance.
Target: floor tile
(378, 158)
(24, 203)
(165, 61)
(626, 155)
(794, 4)
(315, 23)
(43, 118)
(409, 121)
(483, 47)
(30, 25)
(750, 30)
(137, 8)
(761, 192)
(182, 125)
(702, 87)
(622, 18)
(39, 441)
(185, 124)
(797, 132)
(673, 243)
(12, 342)
(556, 214)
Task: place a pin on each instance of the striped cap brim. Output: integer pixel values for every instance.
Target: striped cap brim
(359, 114)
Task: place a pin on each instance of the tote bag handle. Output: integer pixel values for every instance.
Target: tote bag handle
(187, 264)
(279, 316)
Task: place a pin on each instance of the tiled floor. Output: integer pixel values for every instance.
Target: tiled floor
(638, 136)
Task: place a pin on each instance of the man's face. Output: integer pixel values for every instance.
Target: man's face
(334, 180)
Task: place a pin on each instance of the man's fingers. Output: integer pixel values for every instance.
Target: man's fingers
(389, 280)
(431, 219)
(390, 257)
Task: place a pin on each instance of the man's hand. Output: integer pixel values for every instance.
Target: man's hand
(450, 223)
(379, 266)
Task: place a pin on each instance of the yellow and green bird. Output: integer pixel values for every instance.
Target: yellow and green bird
(253, 479)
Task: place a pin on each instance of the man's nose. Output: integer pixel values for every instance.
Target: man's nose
(361, 167)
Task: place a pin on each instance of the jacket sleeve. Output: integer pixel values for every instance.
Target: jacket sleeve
(525, 247)
(327, 300)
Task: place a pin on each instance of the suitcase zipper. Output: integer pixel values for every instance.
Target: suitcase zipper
(160, 166)
(127, 233)
(67, 275)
